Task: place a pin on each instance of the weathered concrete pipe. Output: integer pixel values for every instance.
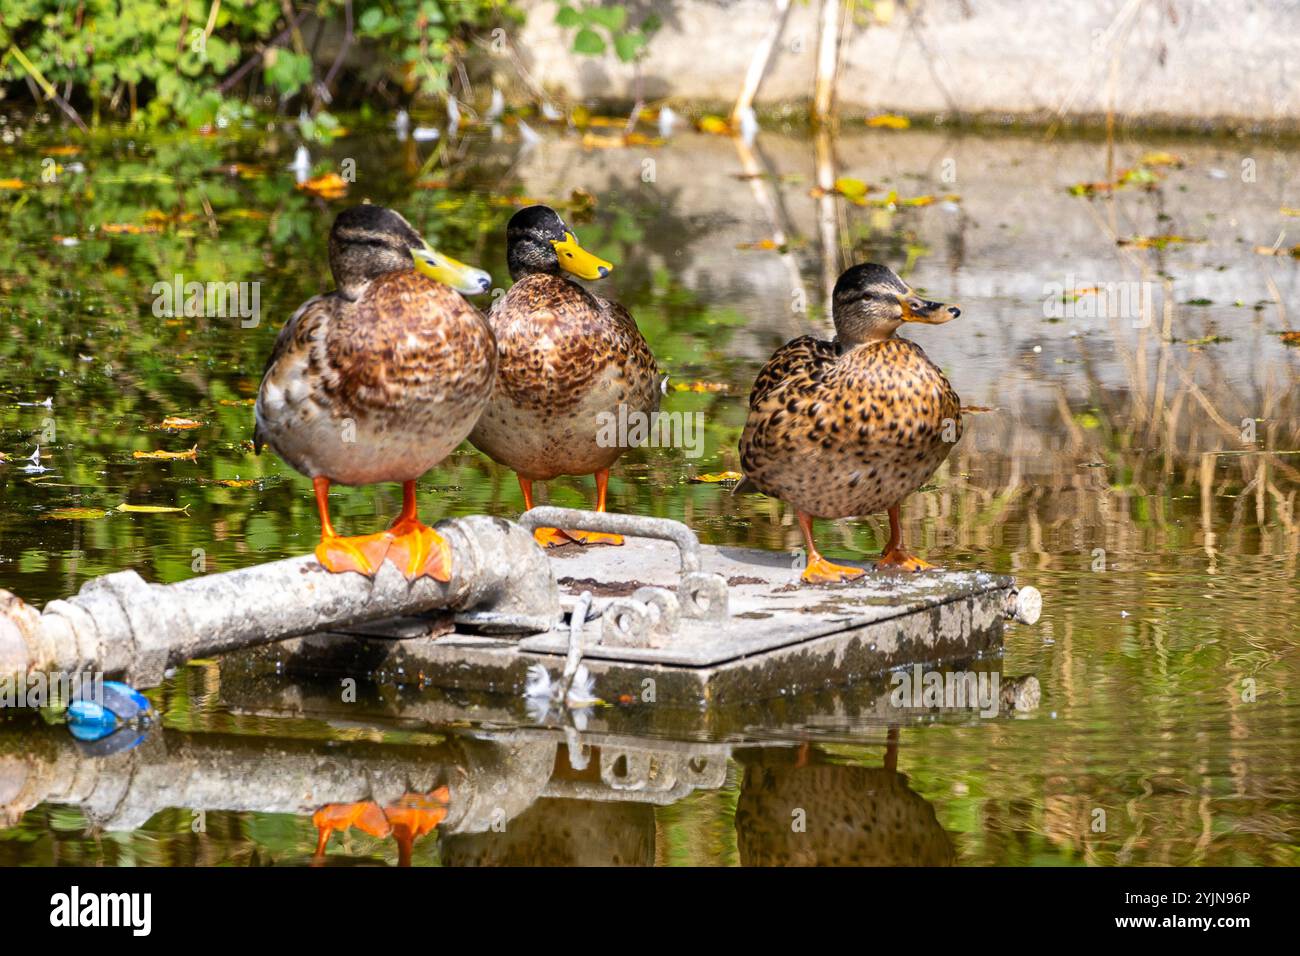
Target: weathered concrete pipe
(119, 624)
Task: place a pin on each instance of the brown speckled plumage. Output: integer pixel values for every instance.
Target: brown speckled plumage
(852, 426)
(379, 381)
(566, 357)
(839, 433)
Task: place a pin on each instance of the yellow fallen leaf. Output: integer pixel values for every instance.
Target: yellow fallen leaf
(700, 386)
(714, 124)
(720, 476)
(760, 244)
(12, 184)
(129, 228)
(192, 454)
(1160, 158)
(152, 509)
(237, 482)
(1291, 338)
(1154, 242)
(237, 401)
(609, 122)
(889, 121)
(1293, 252)
(178, 424)
(76, 514)
(326, 186)
(597, 141)
(1291, 211)
(61, 150)
(851, 188)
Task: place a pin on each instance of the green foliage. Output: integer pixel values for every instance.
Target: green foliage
(166, 62)
(594, 22)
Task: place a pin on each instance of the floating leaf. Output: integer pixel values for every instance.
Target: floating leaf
(714, 124)
(327, 186)
(178, 424)
(129, 228)
(976, 409)
(76, 514)
(1161, 158)
(192, 454)
(719, 477)
(759, 244)
(12, 184)
(889, 121)
(1291, 211)
(700, 386)
(1154, 242)
(61, 150)
(236, 482)
(1290, 338)
(152, 509)
(1293, 252)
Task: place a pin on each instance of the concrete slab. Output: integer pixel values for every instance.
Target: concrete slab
(779, 638)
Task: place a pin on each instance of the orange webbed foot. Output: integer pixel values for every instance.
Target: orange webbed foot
(595, 537)
(900, 560)
(821, 571)
(552, 537)
(361, 554)
(418, 550)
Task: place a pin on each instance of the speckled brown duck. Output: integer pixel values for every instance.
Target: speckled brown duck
(379, 381)
(567, 359)
(854, 425)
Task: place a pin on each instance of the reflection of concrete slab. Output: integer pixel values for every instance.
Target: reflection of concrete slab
(780, 638)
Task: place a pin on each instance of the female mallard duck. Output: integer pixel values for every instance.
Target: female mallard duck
(379, 380)
(855, 425)
(567, 360)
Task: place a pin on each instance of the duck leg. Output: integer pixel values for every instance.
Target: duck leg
(546, 537)
(416, 548)
(363, 554)
(598, 537)
(819, 570)
(894, 556)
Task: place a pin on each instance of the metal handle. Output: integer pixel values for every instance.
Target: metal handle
(611, 522)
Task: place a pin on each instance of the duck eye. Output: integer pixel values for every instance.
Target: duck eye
(916, 305)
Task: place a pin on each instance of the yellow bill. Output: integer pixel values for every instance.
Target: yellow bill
(450, 272)
(580, 262)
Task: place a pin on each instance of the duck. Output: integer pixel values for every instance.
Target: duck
(379, 381)
(852, 426)
(567, 359)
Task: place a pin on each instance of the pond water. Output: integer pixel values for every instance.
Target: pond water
(1140, 466)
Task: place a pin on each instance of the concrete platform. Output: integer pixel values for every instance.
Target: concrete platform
(779, 638)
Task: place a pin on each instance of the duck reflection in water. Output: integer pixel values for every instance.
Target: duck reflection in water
(794, 811)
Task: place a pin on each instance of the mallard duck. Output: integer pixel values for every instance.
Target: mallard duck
(379, 380)
(854, 425)
(567, 359)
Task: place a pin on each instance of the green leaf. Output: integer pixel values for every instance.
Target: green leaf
(589, 42)
(568, 17)
(611, 18)
(288, 71)
(371, 19)
(629, 45)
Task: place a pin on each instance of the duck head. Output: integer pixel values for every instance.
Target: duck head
(368, 241)
(537, 240)
(870, 302)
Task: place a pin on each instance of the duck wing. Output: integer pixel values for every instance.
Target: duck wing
(803, 360)
(292, 349)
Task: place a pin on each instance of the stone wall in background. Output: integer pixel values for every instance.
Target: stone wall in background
(1170, 63)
